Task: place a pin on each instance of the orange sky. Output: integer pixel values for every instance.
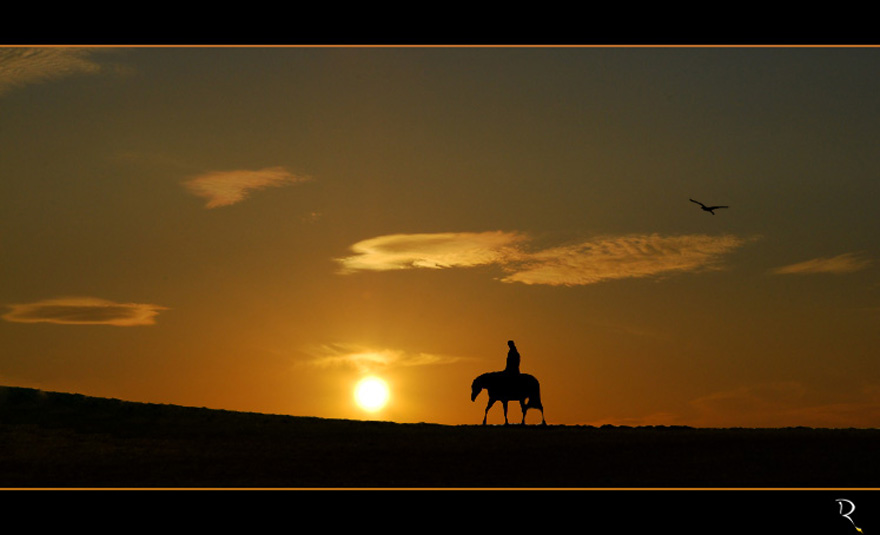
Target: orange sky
(257, 228)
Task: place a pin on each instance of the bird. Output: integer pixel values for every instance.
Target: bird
(709, 208)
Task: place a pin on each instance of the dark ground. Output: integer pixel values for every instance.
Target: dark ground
(74, 441)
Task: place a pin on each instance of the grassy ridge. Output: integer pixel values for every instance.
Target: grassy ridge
(69, 440)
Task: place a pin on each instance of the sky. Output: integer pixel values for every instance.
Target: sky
(258, 228)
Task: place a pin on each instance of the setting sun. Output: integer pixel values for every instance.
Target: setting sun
(371, 393)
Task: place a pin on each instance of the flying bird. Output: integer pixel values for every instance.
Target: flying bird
(708, 208)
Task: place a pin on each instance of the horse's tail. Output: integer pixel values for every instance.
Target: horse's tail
(535, 396)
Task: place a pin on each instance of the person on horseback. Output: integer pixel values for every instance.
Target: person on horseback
(509, 385)
(512, 358)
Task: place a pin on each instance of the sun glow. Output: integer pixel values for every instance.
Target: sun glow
(371, 393)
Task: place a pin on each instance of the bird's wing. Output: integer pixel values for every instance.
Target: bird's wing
(698, 202)
(715, 207)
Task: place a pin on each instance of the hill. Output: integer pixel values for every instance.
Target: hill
(70, 440)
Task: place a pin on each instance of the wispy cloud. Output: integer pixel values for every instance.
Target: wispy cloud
(224, 188)
(84, 311)
(845, 263)
(368, 359)
(623, 257)
(587, 262)
(20, 67)
(435, 251)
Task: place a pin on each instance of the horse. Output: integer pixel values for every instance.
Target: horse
(504, 387)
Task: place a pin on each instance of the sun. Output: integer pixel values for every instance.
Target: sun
(371, 393)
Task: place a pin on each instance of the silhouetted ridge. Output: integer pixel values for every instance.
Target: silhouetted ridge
(70, 440)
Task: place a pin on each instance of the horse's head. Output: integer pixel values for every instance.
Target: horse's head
(476, 388)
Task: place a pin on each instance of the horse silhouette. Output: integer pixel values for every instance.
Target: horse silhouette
(504, 387)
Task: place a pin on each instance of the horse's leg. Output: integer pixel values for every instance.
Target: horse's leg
(524, 407)
(489, 406)
(504, 404)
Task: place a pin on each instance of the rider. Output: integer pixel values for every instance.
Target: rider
(512, 358)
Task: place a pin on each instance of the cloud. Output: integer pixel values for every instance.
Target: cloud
(754, 399)
(845, 263)
(784, 404)
(366, 359)
(622, 257)
(224, 188)
(20, 67)
(435, 251)
(767, 405)
(588, 262)
(84, 311)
